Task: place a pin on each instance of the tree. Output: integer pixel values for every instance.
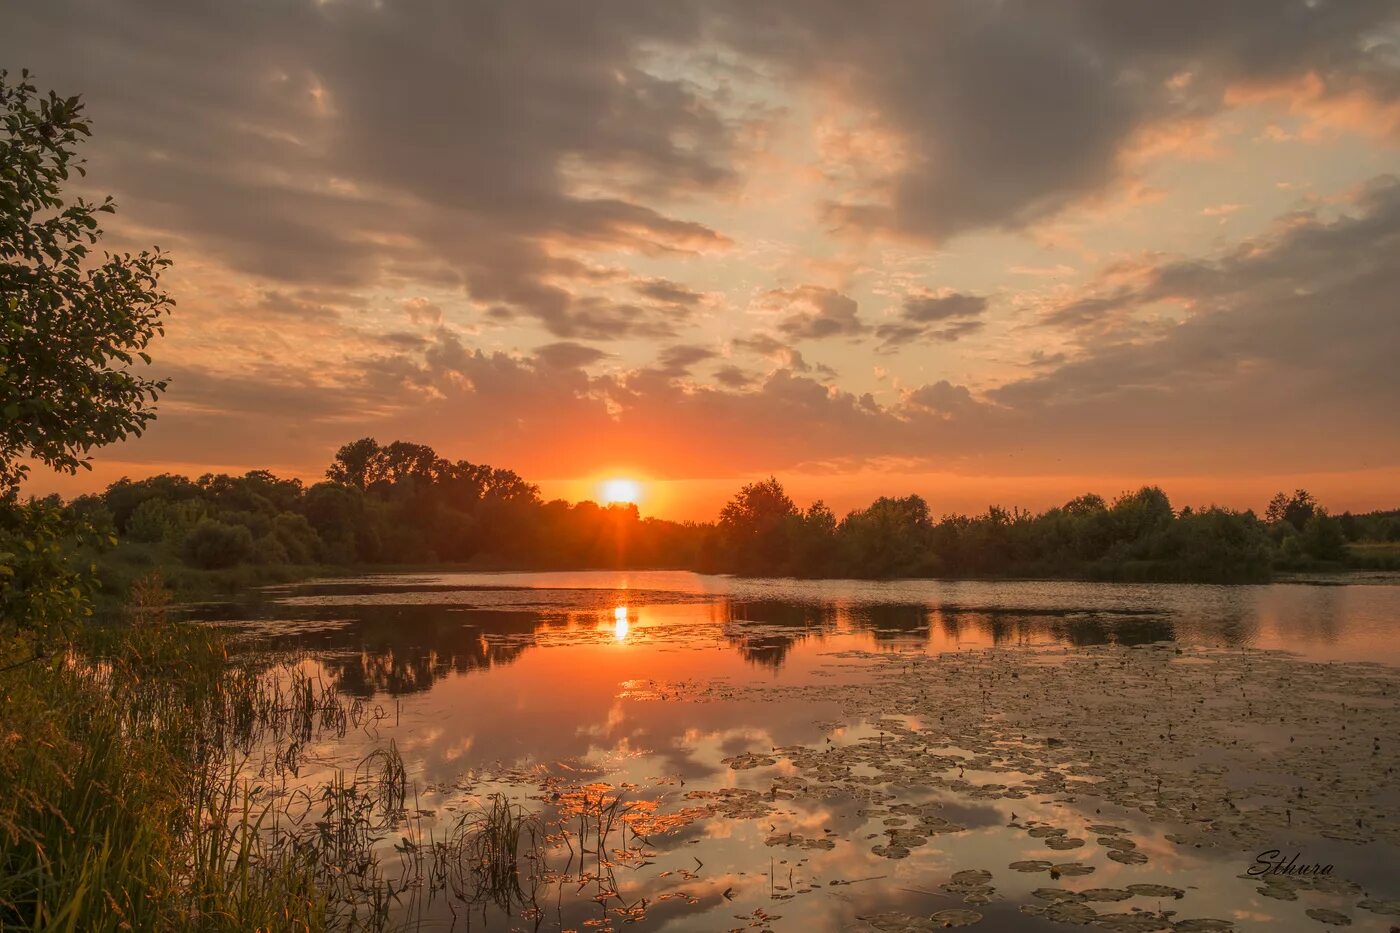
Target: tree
(213, 544)
(1295, 509)
(1142, 513)
(354, 464)
(1322, 537)
(71, 329)
(890, 538)
(755, 527)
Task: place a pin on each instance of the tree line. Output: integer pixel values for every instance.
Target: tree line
(404, 504)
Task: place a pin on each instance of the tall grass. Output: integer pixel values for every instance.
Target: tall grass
(151, 782)
(125, 805)
(109, 819)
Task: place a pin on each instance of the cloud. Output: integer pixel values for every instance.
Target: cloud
(677, 360)
(354, 143)
(732, 377)
(814, 313)
(568, 355)
(422, 311)
(944, 316)
(942, 398)
(1287, 336)
(780, 354)
(332, 176)
(1007, 113)
(667, 292)
(1283, 355)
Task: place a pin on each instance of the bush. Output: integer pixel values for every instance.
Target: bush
(213, 544)
(1322, 538)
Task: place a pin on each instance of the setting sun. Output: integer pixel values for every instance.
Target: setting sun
(621, 490)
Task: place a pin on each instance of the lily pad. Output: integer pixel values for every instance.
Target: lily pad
(1064, 842)
(1029, 866)
(1072, 869)
(1331, 917)
(1071, 912)
(1127, 856)
(955, 917)
(971, 876)
(1378, 906)
(1133, 923)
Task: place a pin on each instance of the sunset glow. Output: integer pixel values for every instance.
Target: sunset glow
(621, 491)
(983, 412)
(985, 253)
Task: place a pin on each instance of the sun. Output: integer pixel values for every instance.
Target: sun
(621, 490)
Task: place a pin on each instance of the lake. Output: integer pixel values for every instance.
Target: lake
(690, 752)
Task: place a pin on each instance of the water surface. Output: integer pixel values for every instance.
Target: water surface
(827, 755)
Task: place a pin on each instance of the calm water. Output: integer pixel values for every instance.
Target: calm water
(643, 685)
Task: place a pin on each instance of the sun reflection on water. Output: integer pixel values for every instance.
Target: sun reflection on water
(620, 623)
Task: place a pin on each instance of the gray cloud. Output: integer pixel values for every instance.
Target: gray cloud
(732, 377)
(780, 354)
(940, 316)
(1290, 335)
(334, 150)
(1286, 356)
(346, 142)
(676, 361)
(1011, 111)
(815, 313)
(568, 355)
(667, 292)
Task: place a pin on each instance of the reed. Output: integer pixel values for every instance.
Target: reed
(134, 801)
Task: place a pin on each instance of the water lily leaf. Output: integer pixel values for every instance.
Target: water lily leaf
(1029, 866)
(956, 917)
(1331, 917)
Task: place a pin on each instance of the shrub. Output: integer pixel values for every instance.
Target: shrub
(213, 544)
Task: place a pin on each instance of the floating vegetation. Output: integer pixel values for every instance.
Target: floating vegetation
(1029, 866)
(1377, 906)
(972, 885)
(1070, 870)
(900, 767)
(955, 917)
(1182, 736)
(800, 841)
(1331, 917)
(1127, 856)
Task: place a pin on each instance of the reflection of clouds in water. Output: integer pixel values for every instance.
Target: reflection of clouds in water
(404, 632)
(583, 682)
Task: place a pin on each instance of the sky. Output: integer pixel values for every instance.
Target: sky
(988, 252)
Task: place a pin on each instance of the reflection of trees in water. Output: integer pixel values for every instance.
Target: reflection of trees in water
(397, 649)
(764, 632)
(1072, 627)
(1221, 614)
(407, 649)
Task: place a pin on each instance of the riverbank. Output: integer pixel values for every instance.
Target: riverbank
(120, 567)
